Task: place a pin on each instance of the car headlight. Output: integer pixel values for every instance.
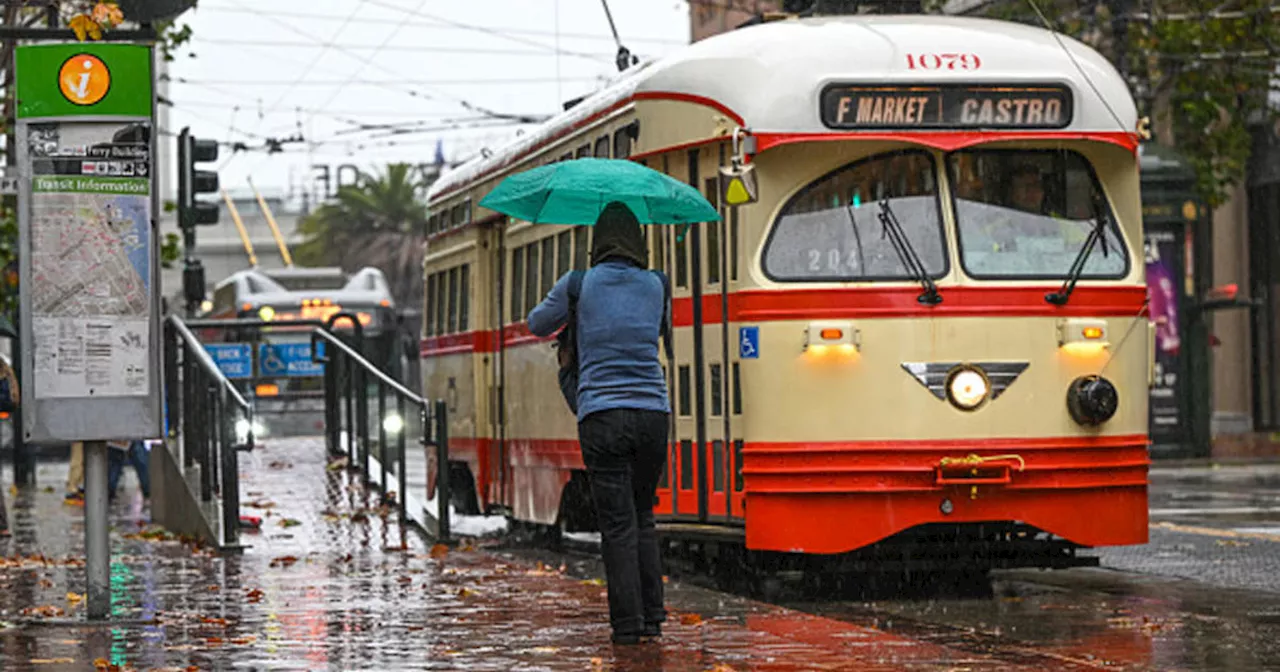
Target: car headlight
(393, 423)
(967, 389)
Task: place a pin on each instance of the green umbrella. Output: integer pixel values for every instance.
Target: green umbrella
(577, 191)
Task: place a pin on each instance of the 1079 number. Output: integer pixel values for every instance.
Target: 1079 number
(943, 62)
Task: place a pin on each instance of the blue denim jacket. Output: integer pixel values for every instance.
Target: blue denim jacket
(620, 312)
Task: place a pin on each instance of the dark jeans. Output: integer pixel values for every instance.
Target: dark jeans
(625, 453)
(137, 456)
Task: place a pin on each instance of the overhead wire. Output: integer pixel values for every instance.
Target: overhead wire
(432, 95)
(484, 30)
(1072, 57)
(437, 25)
(338, 91)
(283, 94)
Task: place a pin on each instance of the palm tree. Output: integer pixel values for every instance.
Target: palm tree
(377, 222)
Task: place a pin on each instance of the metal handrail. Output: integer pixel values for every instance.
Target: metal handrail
(364, 363)
(347, 378)
(206, 362)
(204, 406)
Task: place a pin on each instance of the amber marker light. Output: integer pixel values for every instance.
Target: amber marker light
(267, 390)
(1082, 337)
(842, 337)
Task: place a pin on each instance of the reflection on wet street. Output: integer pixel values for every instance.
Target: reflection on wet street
(331, 581)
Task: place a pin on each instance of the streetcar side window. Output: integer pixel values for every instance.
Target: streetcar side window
(442, 298)
(1027, 214)
(710, 185)
(581, 247)
(584, 151)
(564, 253)
(531, 296)
(831, 230)
(453, 300)
(621, 143)
(429, 312)
(602, 147)
(548, 265)
(517, 285)
(464, 297)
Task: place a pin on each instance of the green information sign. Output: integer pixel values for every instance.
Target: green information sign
(63, 80)
(89, 313)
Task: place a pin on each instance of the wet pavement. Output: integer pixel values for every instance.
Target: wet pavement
(331, 581)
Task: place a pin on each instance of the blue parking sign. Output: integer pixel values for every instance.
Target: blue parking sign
(235, 360)
(288, 359)
(748, 342)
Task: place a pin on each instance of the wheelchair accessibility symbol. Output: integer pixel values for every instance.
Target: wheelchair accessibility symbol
(748, 342)
(271, 363)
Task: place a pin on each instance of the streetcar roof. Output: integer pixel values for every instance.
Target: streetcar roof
(770, 75)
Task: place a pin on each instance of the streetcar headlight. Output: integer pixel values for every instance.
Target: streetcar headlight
(393, 423)
(266, 313)
(1092, 400)
(967, 389)
(242, 429)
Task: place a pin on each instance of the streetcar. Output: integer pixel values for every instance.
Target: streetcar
(920, 342)
(288, 393)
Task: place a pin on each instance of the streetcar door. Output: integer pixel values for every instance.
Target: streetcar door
(698, 479)
(718, 344)
(495, 478)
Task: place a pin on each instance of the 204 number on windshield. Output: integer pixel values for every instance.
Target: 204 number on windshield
(833, 261)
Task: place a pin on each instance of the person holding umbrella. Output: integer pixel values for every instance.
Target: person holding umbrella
(617, 310)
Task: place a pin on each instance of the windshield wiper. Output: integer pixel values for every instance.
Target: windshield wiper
(907, 255)
(1096, 234)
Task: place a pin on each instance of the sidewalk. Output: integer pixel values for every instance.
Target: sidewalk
(329, 583)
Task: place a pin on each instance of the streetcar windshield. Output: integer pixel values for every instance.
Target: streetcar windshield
(831, 230)
(1027, 214)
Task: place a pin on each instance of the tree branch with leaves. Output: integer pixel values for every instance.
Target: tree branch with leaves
(1202, 70)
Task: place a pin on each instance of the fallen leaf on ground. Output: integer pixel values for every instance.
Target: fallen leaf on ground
(45, 583)
(52, 661)
(48, 489)
(466, 592)
(75, 598)
(691, 619)
(337, 464)
(247, 639)
(284, 561)
(214, 621)
(290, 522)
(594, 582)
(101, 663)
(439, 551)
(254, 595)
(279, 465)
(47, 611)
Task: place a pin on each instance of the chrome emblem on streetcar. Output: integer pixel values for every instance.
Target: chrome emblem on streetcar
(933, 375)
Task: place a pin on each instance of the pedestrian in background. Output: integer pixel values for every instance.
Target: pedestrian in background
(75, 476)
(9, 400)
(133, 452)
(621, 311)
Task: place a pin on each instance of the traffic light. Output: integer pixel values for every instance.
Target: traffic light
(192, 182)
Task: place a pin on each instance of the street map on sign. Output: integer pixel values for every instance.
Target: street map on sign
(90, 269)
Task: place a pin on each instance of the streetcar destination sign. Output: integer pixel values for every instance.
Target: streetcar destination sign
(946, 106)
